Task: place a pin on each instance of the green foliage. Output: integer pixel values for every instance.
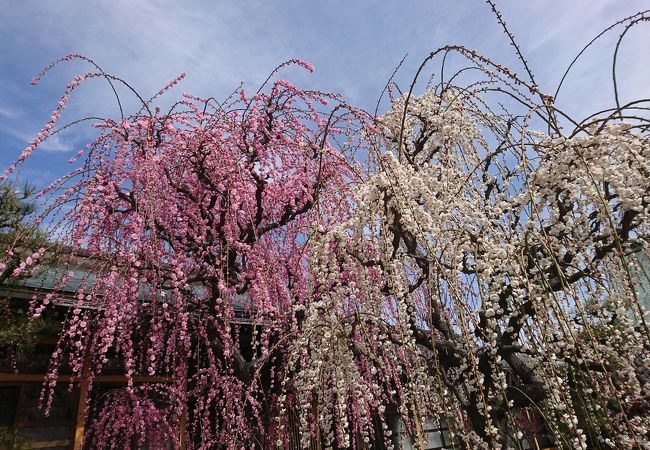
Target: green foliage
(10, 439)
(19, 333)
(14, 207)
(19, 237)
(18, 234)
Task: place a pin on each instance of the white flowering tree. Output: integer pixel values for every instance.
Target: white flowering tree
(483, 279)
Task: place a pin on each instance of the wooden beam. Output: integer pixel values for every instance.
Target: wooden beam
(47, 340)
(49, 444)
(39, 378)
(28, 378)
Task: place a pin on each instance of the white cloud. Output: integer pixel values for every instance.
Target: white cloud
(9, 113)
(56, 144)
(354, 45)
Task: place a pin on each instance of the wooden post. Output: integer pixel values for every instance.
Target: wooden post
(534, 435)
(183, 423)
(81, 407)
(418, 429)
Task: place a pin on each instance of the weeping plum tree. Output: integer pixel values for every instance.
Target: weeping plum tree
(485, 273)
(477, 272)
(491, 277)
(187, 221)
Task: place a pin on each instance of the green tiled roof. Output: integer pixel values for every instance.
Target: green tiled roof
(48, 279)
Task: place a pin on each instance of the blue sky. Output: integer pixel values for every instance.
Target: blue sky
(355, 45)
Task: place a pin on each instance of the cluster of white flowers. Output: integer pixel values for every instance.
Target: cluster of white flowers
(478, 281)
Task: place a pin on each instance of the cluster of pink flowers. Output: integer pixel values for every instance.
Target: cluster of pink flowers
(28, 262)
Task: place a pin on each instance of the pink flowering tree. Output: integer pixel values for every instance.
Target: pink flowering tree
(194, 226)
